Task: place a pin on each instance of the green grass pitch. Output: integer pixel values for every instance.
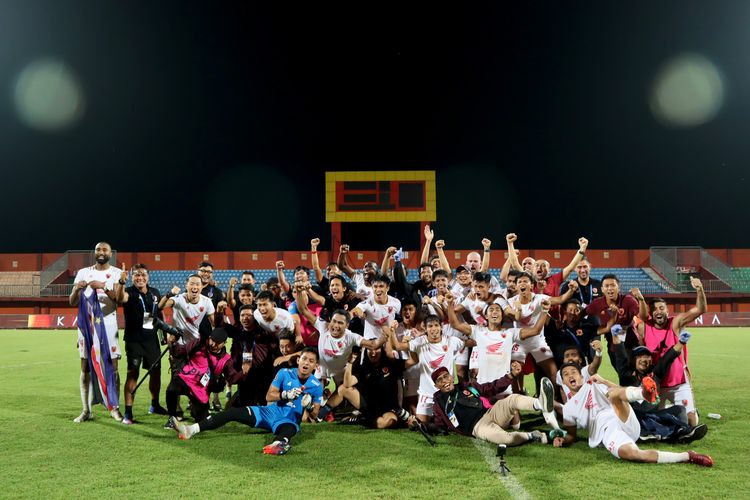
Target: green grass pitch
(44, 454)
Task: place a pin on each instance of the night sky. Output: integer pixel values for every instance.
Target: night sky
(209, 125)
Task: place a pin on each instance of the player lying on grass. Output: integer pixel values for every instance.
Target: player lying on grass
(294, 395)
(465, 409)
(603, 409)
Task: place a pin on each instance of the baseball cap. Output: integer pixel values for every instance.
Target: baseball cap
(219, 335)
(438, 372)
(461, 269)
(641, 350)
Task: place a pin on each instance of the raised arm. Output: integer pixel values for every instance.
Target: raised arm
(444, 264)
(531, 331)
(464, 328)
(121, 296)
(428, 236)
(583, 244)
(572, 289)
(343, 262)
(374, 344)
(314, 261)
(350, 380)
(166, 300)
(396, 344)
(684, 319)
(597, 362)
(642, 306)
(302, 307)
(386, 264)
(486, 244)
(283, 283)
(231, 300)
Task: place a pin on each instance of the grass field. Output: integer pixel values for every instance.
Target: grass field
(45, 455)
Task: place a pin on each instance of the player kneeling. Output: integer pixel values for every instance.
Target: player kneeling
(603, 409)
(293, 392)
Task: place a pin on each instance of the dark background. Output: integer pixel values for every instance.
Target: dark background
(209, 125)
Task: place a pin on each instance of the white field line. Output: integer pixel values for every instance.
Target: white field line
(513, 485)
(24, 365)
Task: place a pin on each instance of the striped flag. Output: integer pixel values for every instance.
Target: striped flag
(103, 379)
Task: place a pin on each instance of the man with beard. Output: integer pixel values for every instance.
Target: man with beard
(362, 279)
(140, 306)
(554, 281)
(661, 333)
(341, 296)
(588, 287)
(99, 279)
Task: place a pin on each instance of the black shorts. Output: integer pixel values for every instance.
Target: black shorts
(371, 412)
(142, 353)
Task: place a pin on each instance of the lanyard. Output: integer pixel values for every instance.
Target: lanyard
(140, 296)
(447, 412)
(580, 294)
(575, 337)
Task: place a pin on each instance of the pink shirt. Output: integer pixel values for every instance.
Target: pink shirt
(659, 342)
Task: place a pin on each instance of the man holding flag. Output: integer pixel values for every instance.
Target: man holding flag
(98, 343)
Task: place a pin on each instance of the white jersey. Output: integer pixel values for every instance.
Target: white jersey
(459, 291)
(283, 322)
(559, 382)
(187, 316)
(378, 315)
(590, 409)
(413, 371)
(360, 287)
(530, 314)
(109, 277)
(432, 357)
(334, 352)
(494, 350)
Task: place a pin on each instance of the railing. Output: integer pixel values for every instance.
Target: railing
(51, 272)
(662, 261)
(717, 267)
(32, 291)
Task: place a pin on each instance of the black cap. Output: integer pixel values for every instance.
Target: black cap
(219, 335)
(461, 268)
(641, 350)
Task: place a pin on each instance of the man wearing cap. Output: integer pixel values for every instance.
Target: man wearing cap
(466, 409)
(200, 368)
(665, 423)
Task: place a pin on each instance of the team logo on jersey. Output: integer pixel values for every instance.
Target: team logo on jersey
(385, 371)
(341, 344)
(595, 290)
(621, 312)
(277, 328)
(493, 348)
(108, 275)
(201, 308)
(390, 310)
(435, 363)
(114, 349)
(445, 348)
(503, 335)
(589, 401)
(579, 332)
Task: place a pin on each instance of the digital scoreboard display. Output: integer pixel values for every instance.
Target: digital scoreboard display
(397, 196)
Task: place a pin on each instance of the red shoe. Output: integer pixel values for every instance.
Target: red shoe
(650, 391)
(330, 417)
(698, 459)
(277, 448)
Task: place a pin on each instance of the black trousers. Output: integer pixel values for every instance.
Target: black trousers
(244, 416)
(176, 388)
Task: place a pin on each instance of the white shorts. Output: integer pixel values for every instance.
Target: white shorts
(681, 395)
(540, 353)
(424, 405)
(619, 433)
(411, 387)
(474, 360)
(113, 335)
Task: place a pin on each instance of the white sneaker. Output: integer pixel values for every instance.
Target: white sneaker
(547, 402)
(116, 414)
(538, 437)
(184, 431)
(85, 415)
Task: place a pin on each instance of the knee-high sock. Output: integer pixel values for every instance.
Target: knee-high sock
(242, 415)
(86, 395)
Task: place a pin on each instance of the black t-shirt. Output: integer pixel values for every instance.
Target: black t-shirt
(349, 302)
(586, 293)
(134, 309)
(379, 384)
(216, 296)
(560, 337)
(467, 408)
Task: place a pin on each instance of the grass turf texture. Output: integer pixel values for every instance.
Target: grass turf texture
(46, 455)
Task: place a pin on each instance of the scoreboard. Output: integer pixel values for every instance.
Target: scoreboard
(381, 196)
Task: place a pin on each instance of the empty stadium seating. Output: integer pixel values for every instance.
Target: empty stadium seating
(629, 278)
(19, 284)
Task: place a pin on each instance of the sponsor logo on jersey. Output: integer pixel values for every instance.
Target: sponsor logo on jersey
(589, 401)
(330, 352)
(436, 362)
(493, 348)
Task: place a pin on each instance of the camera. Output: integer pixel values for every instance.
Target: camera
(166, 328)
(501, 449)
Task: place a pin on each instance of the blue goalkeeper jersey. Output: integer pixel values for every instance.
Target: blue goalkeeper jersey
(286, 380)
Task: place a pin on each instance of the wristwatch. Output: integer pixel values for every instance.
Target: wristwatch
(122, 282)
